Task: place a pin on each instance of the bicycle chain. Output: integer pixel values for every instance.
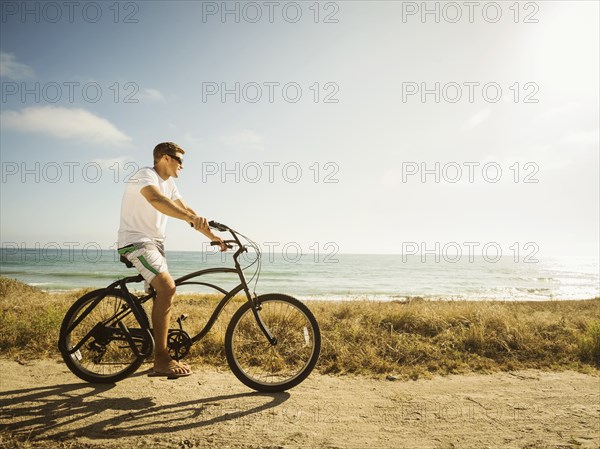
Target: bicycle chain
(178, 343)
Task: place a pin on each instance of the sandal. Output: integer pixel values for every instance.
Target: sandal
(171, 371)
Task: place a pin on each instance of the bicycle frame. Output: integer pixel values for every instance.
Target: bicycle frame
(188, 279)
(135, 303)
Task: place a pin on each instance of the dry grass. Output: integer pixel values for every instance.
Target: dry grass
(420, 337)
(408, 340)
(30, 319)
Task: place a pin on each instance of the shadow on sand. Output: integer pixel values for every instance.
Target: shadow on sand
(64, 411)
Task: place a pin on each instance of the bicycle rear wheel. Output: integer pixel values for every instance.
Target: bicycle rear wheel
(279, 367)
(105, 329)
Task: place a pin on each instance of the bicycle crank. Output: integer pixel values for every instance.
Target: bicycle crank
(178, 343)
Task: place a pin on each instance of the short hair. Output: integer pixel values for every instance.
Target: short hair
(163, 148)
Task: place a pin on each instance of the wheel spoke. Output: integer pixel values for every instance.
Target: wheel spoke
(262, 365)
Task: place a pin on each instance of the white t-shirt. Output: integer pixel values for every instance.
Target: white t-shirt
(140, 221)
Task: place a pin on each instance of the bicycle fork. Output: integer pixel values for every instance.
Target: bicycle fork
(253, 305)
(261, 324)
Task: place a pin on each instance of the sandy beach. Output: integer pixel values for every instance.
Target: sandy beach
(44, 403)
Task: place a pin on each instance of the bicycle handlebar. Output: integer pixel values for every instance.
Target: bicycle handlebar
(227, 243)
(216, 225)
(224, 228)
(242, 248)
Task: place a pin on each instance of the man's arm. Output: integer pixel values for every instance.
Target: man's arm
(165, 205)
(181, 203)
(179, 209)
(184, 206)
(208, 233)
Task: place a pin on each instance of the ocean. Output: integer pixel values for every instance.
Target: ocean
(345, 276)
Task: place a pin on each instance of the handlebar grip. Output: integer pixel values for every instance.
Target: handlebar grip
(218, 226)
(227, 245)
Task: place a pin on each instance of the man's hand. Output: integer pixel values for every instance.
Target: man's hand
(200, 224)
(222, 244)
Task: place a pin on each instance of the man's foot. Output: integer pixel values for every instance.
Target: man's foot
(185, 365)
(171, 369)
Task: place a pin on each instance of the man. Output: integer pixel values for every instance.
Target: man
(150, 197)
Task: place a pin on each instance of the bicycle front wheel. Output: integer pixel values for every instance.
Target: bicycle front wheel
(104, 328)
(273, 368)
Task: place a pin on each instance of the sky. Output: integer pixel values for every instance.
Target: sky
(351, 127)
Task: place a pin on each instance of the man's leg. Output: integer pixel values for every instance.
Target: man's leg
(161, 316)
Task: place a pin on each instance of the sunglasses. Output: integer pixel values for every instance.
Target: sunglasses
(177, 158)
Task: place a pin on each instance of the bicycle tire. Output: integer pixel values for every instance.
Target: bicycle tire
(90, 362)
(273, 368)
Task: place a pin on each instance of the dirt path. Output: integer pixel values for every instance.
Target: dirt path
(526, 409)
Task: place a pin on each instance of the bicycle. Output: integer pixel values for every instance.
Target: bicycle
(272, 342)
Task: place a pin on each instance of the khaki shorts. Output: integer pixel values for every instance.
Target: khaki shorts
(147, 257)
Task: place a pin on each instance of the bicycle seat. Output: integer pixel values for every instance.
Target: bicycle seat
(127, 263)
